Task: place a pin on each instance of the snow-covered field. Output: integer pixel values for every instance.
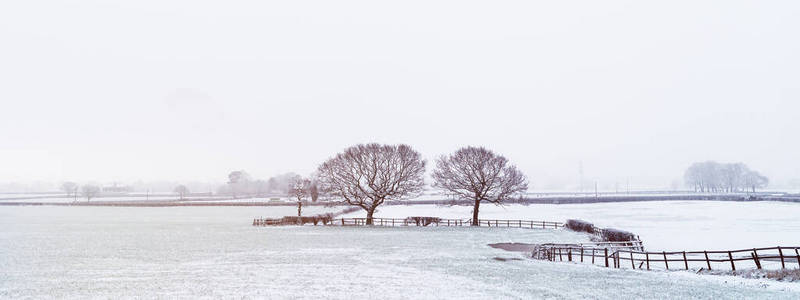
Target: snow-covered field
(662, 225)
(188, 252)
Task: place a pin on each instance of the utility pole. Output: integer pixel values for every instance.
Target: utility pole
(628, 183)
(595, 189)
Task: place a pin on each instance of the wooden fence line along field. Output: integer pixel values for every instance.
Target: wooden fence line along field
(418, 221)
(620, 257)
(412, 221)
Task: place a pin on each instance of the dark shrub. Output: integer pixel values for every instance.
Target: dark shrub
(616, 235)
(423, 221)
(580, 226)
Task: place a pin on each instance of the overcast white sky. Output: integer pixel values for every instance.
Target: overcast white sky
(189, 90)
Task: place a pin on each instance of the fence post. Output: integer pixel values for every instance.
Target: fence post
(581, 253)
(647, 258)
(708, 262)
(666, 263)
(559, 255)
(685, 262)
(606, 256)
(633, 266)
(733, 265)
(798, 256)
(569, 254)
(755, 258)
(780, 252)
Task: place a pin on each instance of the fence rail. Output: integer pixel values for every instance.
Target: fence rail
(412, 221)
(769, 257)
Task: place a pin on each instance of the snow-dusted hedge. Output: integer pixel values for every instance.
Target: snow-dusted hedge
(616, 235)
(580, 225)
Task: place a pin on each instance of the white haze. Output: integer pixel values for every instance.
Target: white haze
(190, 90)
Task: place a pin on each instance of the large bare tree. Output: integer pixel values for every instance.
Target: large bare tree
(368, 175)
(480, 175)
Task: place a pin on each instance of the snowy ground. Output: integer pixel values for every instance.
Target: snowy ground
(662, 225)
(189, 252)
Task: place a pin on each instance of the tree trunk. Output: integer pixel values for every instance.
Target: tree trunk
(475, 213)
(369, 215)
(299, 208)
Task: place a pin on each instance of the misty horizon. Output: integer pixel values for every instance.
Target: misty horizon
(197, 91)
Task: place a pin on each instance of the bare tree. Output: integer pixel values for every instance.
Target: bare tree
(260, 188)
(313, 191)
(70, 188)
(754, 180)
(299, 189)
(238, 182)
(480, 175)
(368, 175)
(714, 177)
(181, 190)
(90, 191)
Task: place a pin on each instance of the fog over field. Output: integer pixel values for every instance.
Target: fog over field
(434, 149)
(189, 90)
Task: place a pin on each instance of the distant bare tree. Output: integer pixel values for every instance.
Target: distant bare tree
(238, 182)
(70, 188)
(299, 189)
(260, 188)
(313, 191)
(480, 175)
(90, 191)
(181, 190)
(368, 175)
(754, 180)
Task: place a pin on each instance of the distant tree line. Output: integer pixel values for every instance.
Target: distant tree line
(714, 177)
(87, 191)
(369, 175)
(241, 185)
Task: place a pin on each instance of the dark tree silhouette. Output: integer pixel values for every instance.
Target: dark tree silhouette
(368, 175)
(480, 175)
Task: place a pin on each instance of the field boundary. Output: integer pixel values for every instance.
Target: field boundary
(425, 221)
(615, 257)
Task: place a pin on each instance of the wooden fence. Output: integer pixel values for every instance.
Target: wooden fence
(414, 221)
(449, 222)
(620, 257)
